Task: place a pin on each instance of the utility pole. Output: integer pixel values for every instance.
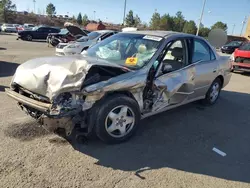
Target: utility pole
(233, 29)
(243, 24)
(200, 20)
(124, 13)
(34, 1)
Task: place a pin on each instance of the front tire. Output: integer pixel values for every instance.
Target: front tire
(213, 93)
(117, 119)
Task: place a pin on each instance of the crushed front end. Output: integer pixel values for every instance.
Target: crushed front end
(64, 113)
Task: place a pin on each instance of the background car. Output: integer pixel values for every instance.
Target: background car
(40, 32)
(241, 58)
(83, 43)
(9, 28)
(25, 27)
(231, 46)
(70, 33)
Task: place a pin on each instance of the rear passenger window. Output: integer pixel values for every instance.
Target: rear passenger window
(201, 52)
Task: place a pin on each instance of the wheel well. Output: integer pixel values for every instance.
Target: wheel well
(221, 79)
(126, 93)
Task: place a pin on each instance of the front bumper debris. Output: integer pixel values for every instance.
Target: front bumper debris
(40, 106)
(52, 124)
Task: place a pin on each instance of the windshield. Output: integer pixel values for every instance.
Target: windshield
(129, 50)
(234, 43)
(245, 47)
(63, 31)
(8, 25)
(93, 35)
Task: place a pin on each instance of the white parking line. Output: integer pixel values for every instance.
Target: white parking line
(219, 152)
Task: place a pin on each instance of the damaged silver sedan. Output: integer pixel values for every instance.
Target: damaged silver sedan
(110, 87)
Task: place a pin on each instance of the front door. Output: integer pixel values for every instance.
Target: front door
(174, 83)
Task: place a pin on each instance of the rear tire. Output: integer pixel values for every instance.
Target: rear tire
(213, 93)
(117, 119)
(29, 37)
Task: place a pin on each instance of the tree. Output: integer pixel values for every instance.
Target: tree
(190, 27)
(179, 22)
(85, 20)
(204, 32)
(7, 9)
(129, 20)
(155, 21)
(144, 25)
(137, 20)
(220, 25)
(166, 22)
(50, 10)
(79, 19)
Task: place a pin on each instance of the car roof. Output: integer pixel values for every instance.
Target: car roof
(159, 33)
(104, 31)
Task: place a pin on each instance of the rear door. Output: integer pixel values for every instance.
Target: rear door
(43, 32)
(206, 66)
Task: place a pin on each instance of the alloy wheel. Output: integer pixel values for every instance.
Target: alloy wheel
(120, 121)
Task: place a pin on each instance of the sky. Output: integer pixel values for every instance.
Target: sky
(228, 11)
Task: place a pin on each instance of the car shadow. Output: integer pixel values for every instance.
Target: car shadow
(41, 41)
(3, 48)
(7, 68)
(4, 33)
(25, 131)
(183, 139)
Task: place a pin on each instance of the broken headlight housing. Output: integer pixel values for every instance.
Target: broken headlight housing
(62, 103)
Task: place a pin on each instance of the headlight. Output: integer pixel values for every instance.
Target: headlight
(74, 46)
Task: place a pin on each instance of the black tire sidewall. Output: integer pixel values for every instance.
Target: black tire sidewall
(27, 37)
(105, 107)
(208, 98)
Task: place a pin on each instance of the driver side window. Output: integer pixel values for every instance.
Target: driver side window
(175, 55)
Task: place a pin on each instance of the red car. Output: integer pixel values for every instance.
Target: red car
(241, 58)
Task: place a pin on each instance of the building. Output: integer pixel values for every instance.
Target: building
(95, 26)
(234, 37)
(247, 33)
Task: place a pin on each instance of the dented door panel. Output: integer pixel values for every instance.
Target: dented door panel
(206, 72)
(175, 87)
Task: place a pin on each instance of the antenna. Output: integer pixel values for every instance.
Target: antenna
(34, 1)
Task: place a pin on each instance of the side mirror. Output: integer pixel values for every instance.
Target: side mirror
(99, 40)
(166, 68)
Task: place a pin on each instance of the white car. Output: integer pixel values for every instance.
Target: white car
(9, 28)
(77, 47)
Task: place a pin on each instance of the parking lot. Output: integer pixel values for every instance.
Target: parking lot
(172, 149)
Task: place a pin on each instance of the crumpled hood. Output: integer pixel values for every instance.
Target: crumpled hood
(51, 76)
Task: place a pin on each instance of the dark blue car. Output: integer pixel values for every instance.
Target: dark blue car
(40, 32)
